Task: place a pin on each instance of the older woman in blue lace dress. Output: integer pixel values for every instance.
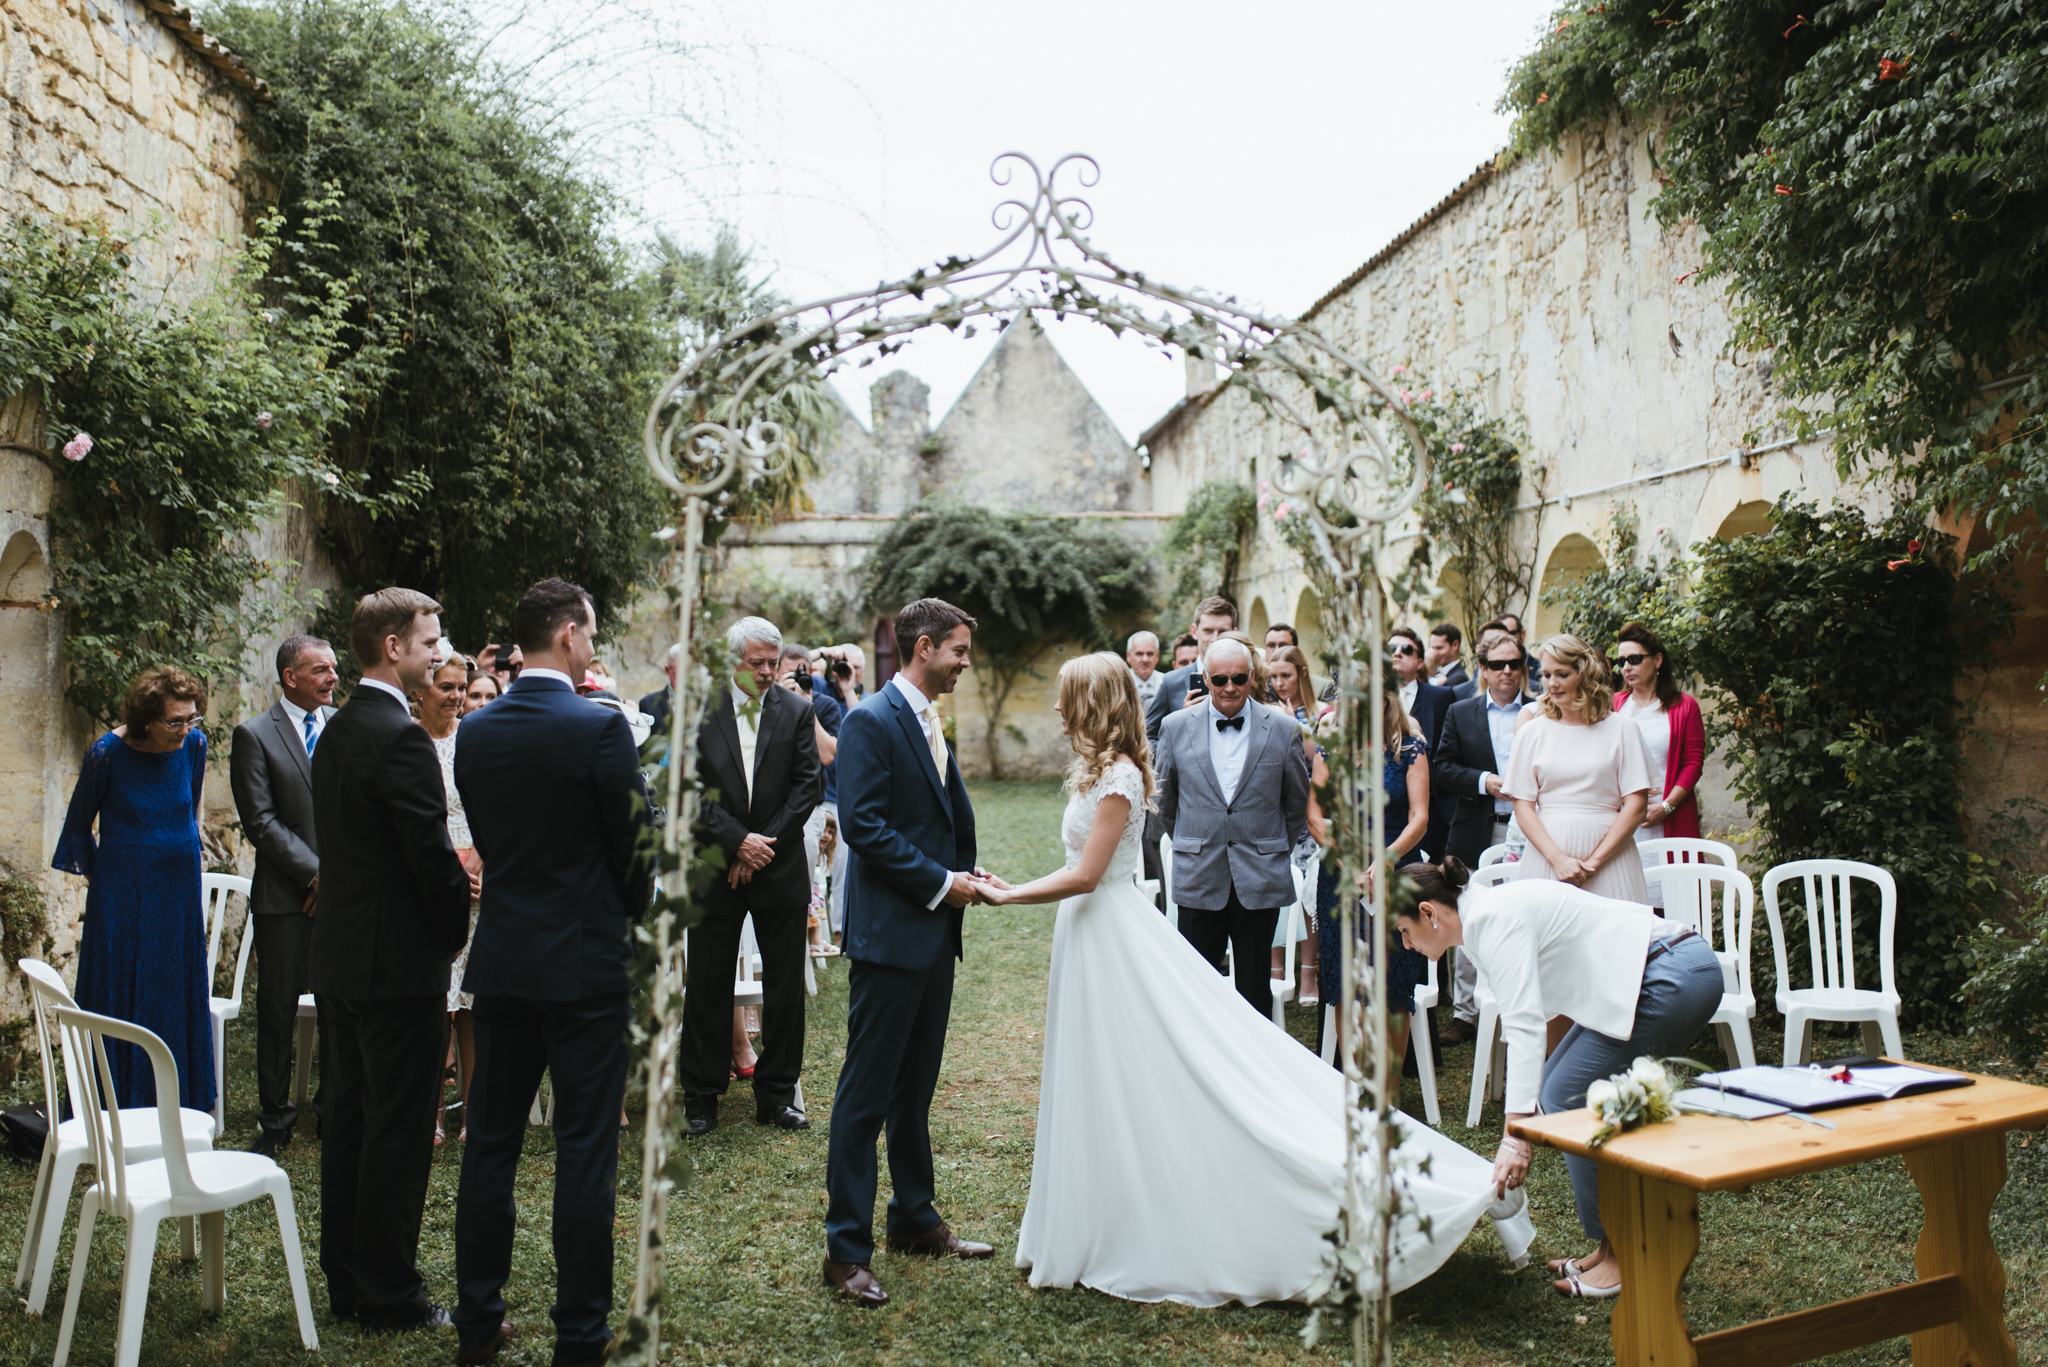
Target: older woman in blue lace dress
(142, 951)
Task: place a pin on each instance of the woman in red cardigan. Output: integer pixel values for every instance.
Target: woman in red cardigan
(1672, 732)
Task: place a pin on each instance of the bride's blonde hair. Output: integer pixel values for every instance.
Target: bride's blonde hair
(1099, 702)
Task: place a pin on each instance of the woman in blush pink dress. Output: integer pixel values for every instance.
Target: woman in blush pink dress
(1579, 779)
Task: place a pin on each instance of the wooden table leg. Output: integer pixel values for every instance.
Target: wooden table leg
(1958, 1181)
(1655, 1230)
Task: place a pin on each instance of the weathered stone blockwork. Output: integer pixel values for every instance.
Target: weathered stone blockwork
(112, 114)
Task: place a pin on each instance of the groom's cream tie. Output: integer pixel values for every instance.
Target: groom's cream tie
(935, 737)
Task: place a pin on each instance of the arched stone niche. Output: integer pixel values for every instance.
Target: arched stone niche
(1748, 519)
(1572, 557)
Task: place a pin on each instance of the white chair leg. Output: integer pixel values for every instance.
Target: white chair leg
(810, 972)
(294, 1259)
(1725, 1037)
(220, 1076)
(39, 1201)
(800, 1095)
(135, 1292)
(1894, 1043)
(1482, 1063)
(62, 1175)
(1798, 1037)
(1425, 1064)
(1745, 1048)
(1329, 1033)
(213, 1269)
(81, 1247)
(1497, 1075)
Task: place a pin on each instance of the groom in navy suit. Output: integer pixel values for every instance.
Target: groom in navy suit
(909, 833)
(551, 783)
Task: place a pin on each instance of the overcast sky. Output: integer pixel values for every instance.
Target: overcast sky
(1262, 150)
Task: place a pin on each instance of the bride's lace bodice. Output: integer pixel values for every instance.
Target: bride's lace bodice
(1124, 780)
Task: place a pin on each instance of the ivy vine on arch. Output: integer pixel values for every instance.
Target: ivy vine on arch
(1329, 419)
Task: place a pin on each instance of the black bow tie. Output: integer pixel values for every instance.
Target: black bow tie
(1235, 723)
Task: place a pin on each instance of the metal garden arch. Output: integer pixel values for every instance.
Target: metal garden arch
(1351, 457)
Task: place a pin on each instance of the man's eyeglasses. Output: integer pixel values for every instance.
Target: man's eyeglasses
(1229, 680)
(1631, 661)
(1512, 666)
(1404, 649)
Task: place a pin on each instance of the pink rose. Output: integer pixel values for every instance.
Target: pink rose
(1457, 448)
(263, 421)
(1398, 370)
(1407, 396)
(1428, 394)
(1262, 501)
(1280, 512)
(78, 447)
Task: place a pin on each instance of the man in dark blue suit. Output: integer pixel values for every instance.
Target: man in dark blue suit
(909, 832)
(552, 786)
(1427, 704)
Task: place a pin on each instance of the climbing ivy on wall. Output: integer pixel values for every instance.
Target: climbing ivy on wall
(1476, 479)
(1203, 548)
(1871, 180)
(173, 428)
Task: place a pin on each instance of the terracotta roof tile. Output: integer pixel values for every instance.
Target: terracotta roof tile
(178, 19)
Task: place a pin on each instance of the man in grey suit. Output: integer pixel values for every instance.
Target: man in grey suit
(271, 771)
(1233, 794)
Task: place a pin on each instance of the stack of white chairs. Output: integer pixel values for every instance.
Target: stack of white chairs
(214, 890)
(175, 1184)
(1665, 851)
(1718, 902)
(1826, 886)
(67, 1145)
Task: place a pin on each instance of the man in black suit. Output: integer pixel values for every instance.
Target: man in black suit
(1426, 703)
(656, 704)
(1214, 617)
(1446, 648)
(551, 784)
(757, 750)
(393, 910)
(271, 772)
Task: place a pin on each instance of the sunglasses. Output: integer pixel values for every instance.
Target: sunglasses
(1513, 666)
(1229, 680)
(1631, 661)
(1405, 649)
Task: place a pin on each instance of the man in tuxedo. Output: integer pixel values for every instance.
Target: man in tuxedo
(393, 910)
(757, 751)
(1233, 790)
(551, 784)
(1212, 618)
(271, 772)
(909, 832)
(1478, 738)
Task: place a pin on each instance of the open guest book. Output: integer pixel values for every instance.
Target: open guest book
(1838, 1082)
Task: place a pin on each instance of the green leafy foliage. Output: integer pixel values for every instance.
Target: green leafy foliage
(1032, 582)
(2008, 985)
(1203, 548)
(1633, 585)
(1872, 182)
(203, 415)
(516, 339)
(1832, 649)
(1476, 473)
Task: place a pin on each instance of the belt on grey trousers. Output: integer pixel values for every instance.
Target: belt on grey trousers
(1667, 943)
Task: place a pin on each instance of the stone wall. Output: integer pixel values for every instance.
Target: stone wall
(117, 111)
(1548, 285)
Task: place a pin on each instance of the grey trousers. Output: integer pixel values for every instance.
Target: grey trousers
(1681, 990)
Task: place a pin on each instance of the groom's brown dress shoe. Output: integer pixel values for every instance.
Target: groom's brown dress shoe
(940, 1243)
(855, 1283)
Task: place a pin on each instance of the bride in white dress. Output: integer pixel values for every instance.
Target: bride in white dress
(1186, 1149)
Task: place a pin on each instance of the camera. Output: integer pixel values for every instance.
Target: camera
(803, 680)
(841, 669)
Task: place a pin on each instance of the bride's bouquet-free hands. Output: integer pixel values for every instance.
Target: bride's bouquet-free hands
(994, 891)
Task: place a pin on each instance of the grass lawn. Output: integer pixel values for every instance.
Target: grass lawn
(746, 1237)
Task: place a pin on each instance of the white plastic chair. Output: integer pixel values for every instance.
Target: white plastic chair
(66, 1146)
(215, 888)
(309, 1028)
(1834, 995)
(1425, 1058)
(1493, 854)
(175, 1185)
(1283, 983)
(1166, 880)
(1689, 899)
(1680, 849)
(1490, 1050)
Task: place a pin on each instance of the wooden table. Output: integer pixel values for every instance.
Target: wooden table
(1954, 1146)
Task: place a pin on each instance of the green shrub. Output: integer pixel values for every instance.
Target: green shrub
(1203, 548)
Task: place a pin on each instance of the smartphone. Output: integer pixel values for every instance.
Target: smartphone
(1197, 685)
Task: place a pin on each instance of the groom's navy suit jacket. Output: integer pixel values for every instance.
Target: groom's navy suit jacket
(905, 836)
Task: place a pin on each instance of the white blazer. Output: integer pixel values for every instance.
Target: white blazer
(1552, 949)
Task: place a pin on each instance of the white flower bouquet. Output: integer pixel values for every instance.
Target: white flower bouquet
(1644, 1095)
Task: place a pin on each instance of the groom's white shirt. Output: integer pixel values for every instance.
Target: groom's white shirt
(918, 703)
